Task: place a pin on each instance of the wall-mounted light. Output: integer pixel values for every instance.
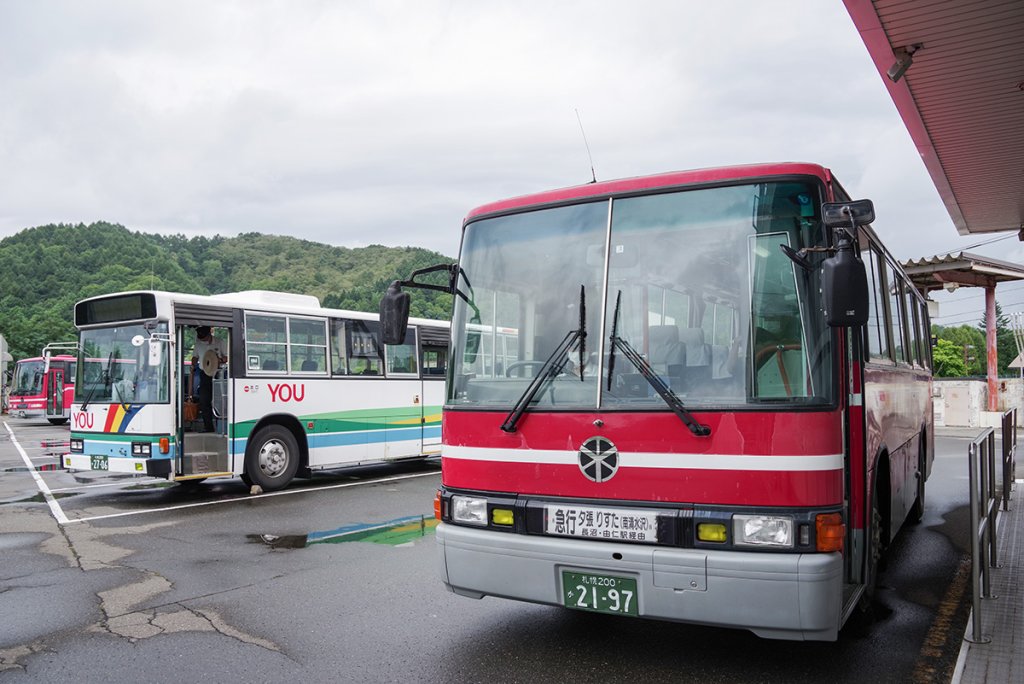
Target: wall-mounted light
(904, 58)
(951, 287)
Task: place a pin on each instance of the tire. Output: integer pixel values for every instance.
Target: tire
(874, 558)
(917, 510)
(58, 421)
(272, 458)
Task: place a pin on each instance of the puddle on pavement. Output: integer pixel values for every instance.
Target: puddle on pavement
(393, 533)
(40, 467)
(39, 498)
(151, 485)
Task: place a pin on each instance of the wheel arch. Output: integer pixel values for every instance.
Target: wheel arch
(290, 423)
(882, 479)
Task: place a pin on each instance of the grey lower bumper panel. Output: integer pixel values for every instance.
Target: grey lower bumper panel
(778, 596)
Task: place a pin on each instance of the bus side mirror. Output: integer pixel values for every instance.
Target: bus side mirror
(848, 214)
(844, 280)
(844, 287)
(394, 314)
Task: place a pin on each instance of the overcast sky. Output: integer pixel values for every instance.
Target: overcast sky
(355, 123)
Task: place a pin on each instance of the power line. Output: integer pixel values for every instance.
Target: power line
(979, 244)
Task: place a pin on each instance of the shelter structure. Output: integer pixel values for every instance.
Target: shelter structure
(962, 269)
(955, 71)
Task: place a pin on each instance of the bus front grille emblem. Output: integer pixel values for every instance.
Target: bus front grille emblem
(599, 459)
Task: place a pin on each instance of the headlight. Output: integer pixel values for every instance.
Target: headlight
(762, 530)
(77, 446)
(470, 510)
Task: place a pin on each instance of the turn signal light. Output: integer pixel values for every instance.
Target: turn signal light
(437, 505)
(502, 516)
(711, 532)
(165, 445)
(830, 531)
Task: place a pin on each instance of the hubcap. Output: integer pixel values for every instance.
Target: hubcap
(273, 458)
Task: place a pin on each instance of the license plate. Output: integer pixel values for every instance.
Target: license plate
(613, 524)
(599, 593)
(99, 463)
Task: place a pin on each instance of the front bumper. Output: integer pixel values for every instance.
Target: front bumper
(774, 595)
(153, 467)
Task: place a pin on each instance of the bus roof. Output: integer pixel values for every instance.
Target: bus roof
(263, 301)
(655, 182)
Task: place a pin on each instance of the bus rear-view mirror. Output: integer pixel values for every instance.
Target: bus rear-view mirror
(844, 280)
(394, 314)
(848, 214)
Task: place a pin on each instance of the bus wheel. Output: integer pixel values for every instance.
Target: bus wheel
(917, 510)
(874, 556)
(58, 421)
(272, 458)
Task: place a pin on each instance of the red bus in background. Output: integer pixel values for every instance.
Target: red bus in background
(714, 404)
(43, 386)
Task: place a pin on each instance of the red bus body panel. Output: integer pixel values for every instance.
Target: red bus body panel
(795, 435)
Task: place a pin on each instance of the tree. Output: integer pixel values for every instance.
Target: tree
(948, 359)
(971, 343)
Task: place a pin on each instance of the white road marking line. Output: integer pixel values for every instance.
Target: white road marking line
(243, 499)
(54, 506)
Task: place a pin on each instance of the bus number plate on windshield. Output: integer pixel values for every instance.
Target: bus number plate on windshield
(599, 593)
(99, 463)
(612, 524)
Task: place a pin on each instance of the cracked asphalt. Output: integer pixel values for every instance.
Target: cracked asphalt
(158, 583)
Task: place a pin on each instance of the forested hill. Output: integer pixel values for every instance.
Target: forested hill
(45, 270)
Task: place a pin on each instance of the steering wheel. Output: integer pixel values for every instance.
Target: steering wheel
(522, 364)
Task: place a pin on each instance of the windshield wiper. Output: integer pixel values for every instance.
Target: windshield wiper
(105, 380)
(549, 369)
(664, 391)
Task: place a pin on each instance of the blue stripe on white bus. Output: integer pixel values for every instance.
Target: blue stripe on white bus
(335, 439)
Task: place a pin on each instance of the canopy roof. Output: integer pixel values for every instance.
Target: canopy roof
(961, 96)
(957, 269)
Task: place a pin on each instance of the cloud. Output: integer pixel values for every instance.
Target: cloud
(385, 122)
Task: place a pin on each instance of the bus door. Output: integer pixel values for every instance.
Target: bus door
(433, 369)
(404, 395)
(54, 385)
(202, 453)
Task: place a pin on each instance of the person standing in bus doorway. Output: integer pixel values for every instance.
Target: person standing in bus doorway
(206, 342)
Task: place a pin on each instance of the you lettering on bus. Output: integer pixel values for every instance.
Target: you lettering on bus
(83, 421)
(285, 392)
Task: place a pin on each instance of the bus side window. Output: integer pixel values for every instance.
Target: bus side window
(435, 361)
(363, 344)
(876, 328)
(339, 346)
(401, 358)
(266, 342)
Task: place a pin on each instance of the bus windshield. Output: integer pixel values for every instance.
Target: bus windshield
(123, 364)
(28, 379)
(695, 281)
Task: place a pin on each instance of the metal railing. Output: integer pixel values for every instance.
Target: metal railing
(985, 497)
(1009, 455)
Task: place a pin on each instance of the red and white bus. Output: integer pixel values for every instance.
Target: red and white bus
(43, 386)
(714, 405)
